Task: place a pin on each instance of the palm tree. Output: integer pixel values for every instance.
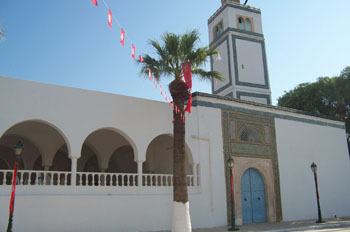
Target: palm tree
(172, 52)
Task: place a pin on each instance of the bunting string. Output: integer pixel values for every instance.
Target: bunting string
(185, 66)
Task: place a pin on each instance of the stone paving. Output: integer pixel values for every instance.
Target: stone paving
(334, 225)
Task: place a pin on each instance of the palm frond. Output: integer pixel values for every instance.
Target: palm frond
(188, 42)
(173, 50)
(207, 75)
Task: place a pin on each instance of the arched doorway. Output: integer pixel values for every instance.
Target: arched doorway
(253, 197)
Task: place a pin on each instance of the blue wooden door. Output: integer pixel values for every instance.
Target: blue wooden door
(253, 197)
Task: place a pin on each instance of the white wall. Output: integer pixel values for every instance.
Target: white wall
(76, 113)
(249, 54)
(299, 144)
(220, 63)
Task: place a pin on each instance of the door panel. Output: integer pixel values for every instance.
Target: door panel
(247, 207)
(258, 202)
(253, 197)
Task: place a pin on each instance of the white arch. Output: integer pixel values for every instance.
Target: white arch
(51, 125)
(187, 148)
(119, 132)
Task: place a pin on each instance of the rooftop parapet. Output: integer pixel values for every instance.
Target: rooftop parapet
(236, 3)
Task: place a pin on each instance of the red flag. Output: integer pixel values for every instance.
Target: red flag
(232, 193)
(149, 74)
(13, 188)
(161, 91)
(186, 69)
(188, 107)
(122, 37)
(133, 51)
(155, 82)
(140, 58)
(94, 2)
(110, 18)
(166, 99)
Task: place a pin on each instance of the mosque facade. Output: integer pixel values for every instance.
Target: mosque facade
(96, 161)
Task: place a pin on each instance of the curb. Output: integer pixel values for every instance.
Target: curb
(326, 226)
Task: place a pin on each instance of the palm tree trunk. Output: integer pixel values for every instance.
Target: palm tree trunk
(181, 214)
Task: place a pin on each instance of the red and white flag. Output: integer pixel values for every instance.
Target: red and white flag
(186, 69)
(141, 58)
(189, 104)
(94, 2)
(122, 37)
(166, 99)
(149, 74)
(155, 82)
(133, 51)
(110, 17)
(161, 90)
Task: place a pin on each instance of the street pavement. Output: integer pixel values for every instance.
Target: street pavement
(330, 225)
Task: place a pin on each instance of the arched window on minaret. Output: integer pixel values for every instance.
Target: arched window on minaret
(218, 30)
(241, 23)
(248, 24)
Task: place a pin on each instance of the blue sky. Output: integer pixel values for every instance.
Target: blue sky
(69, 42)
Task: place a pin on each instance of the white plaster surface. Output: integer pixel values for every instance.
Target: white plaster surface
(181, 217)
(220, 63)
(299, 144)
(250, 62)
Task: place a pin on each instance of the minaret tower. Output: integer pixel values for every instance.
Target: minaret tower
(235, 31)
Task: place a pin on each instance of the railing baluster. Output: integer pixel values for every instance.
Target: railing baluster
(38, 177)
(2, 178)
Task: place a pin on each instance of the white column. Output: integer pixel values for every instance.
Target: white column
(139, 173)
(194, 170)
(74, 170)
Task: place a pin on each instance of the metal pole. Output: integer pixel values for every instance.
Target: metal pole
(233, 223)
(318, 201)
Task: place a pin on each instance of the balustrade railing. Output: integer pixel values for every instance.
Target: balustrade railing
(56, 178)
(30, 177)
(157, 180)
(106, 179)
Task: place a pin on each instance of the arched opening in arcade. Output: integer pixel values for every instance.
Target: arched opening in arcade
(159, 162)
(44, 150)
(107, 157)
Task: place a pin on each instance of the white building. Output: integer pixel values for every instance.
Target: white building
(96, 161)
